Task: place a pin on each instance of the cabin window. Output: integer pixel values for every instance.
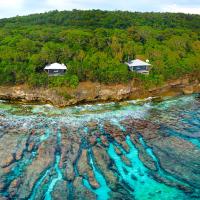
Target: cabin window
(137, 68)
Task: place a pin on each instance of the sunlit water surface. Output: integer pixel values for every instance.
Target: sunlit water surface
(179, 117)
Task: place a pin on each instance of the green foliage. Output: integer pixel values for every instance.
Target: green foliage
(38, 80)
(73, 81)
(106, 19)
(95, 45)
(67, 80)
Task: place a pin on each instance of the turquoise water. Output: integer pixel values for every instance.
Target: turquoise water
(57, 169)
(103, 191)
(137, 177)
(136, 160)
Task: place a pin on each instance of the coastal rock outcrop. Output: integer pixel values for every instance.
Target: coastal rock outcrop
(55, 156)
(95, 92)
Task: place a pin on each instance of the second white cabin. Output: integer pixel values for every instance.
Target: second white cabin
(55, 69)
(139, 66)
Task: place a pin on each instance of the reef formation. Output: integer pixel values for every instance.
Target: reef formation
(128, 150)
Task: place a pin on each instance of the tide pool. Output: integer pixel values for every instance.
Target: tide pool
(136, 150)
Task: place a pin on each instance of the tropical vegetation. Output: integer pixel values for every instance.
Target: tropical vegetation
(95, 45)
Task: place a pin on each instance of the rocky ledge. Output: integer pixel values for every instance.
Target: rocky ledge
(94, 92)
(101, 161)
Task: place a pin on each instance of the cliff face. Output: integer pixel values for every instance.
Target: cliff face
(95, 92)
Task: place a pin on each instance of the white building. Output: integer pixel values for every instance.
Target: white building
(55, 69)
(139, 66)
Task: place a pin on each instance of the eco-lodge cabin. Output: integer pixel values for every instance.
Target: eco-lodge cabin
(55, 69)
(139, 66)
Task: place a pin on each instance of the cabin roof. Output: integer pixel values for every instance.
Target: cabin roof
(56, 66)
(137, 62)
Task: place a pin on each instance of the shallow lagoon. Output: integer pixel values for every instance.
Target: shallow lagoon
(117, 150)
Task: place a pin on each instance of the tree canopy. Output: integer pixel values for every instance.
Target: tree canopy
(95, 45)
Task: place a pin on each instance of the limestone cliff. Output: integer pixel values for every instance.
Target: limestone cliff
(95, 92)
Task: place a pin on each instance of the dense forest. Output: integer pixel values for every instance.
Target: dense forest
(95, 44)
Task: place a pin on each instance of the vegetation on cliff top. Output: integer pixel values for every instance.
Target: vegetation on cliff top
(95, 44)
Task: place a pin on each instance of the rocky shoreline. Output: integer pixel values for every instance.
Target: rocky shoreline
(88, 92)
(121, 156)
